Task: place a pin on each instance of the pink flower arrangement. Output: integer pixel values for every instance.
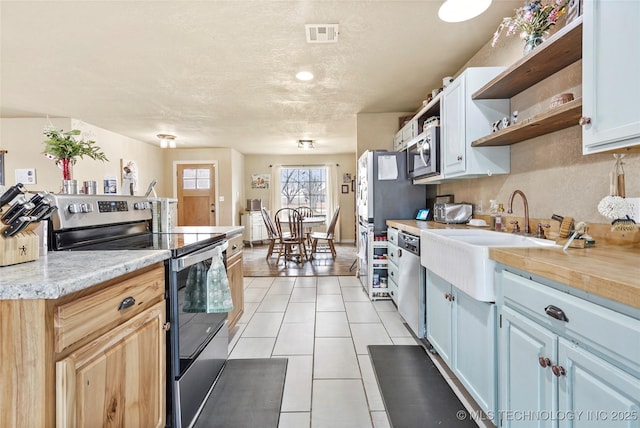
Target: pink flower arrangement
(534, 18)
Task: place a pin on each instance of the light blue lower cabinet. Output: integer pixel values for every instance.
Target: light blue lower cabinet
(463, 332)
(594, 392)
(564, 362)
(526, 382)
(439, 320)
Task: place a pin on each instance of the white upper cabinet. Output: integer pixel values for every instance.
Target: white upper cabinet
(611, 75)
(465, 120)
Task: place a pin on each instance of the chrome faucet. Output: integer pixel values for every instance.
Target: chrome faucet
(526, 209)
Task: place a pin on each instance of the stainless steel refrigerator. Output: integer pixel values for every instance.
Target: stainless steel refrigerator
(383, 193)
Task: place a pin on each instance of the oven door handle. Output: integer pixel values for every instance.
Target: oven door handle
(189, 260)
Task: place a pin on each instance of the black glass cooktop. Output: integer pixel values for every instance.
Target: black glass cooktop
(133, 237)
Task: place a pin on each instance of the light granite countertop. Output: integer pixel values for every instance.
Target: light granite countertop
(63, 272)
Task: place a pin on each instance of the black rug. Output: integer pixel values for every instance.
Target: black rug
(248, 394)
(414, 392)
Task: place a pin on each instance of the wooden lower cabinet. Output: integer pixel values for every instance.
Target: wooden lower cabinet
(236, 279)
(111, 375)
(116, 380)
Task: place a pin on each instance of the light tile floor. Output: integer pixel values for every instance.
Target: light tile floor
(323, 326)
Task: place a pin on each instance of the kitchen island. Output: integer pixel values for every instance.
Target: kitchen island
(74, 326)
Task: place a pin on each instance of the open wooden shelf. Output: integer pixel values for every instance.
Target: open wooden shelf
(560, 50)
(555, 119)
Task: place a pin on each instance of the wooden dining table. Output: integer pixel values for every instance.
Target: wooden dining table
(308, 223)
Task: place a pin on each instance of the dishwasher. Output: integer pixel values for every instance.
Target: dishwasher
(409, 281)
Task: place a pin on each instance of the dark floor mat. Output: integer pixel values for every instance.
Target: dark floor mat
(248, 394)
(414, 392)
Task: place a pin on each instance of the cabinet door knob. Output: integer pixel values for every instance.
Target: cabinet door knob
(558, 370)
(459, 157)
(584, 120)
(166, 326)
(544, 362)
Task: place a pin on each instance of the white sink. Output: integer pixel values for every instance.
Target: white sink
(461, 256)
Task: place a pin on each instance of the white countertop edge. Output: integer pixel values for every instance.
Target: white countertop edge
(63, 272)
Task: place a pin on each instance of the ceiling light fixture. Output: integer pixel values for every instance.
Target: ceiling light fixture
(167, 140)
(305, 144)
(304, 76)
(462, 10)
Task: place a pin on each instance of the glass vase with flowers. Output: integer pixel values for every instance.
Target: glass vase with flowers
(532, 21)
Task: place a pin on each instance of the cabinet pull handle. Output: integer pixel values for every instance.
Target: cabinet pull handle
(447, 296)
(166, 326)
(127, 303)
(556, 312)
(399, 252)
(234, 246)
(584, 120)
(459, 158)
(558, 371)
(544, 362)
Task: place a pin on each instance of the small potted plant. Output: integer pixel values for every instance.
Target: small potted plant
(64, 148)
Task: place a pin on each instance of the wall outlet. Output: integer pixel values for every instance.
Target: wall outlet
(634, 208)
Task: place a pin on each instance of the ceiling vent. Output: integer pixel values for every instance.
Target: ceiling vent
(321, 33)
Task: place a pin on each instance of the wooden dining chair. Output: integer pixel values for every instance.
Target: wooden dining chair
(306, 212)
(272, 232)
(327, 236)
(291, 236)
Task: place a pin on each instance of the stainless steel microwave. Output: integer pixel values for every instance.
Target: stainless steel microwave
(423, 154)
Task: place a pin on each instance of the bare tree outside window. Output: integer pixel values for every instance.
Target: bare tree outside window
(305, 187)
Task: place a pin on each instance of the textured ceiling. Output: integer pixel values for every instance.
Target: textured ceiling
(221, 73)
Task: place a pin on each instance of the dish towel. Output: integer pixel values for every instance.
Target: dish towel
(218, 292)
(208, 291)
(195, 293)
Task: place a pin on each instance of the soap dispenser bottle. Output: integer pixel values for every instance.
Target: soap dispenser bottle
(499, 218)
(493, 212)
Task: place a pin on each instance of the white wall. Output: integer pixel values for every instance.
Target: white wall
(23, 139)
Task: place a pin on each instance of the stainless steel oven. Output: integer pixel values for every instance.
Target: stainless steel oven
(423, 154)
(197, 342)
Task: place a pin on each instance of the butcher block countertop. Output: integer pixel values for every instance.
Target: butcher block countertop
(607, 270)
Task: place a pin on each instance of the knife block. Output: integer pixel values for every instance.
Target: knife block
(19, 249)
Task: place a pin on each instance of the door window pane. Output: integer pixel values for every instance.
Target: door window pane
(196, 178)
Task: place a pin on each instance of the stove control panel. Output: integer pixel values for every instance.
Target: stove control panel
(112, 206)
(78, 211)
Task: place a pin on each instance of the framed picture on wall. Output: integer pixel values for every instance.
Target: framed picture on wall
(260, 181)
(345, 188)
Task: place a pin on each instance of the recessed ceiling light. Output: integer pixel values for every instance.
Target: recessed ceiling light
(304, 75)
(462, 10)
